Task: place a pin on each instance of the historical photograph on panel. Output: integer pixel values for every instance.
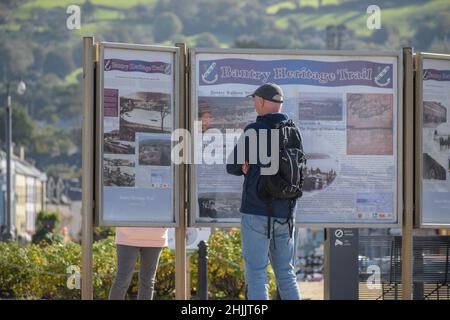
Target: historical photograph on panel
(118, 176)
(154, 150)
(441, 138)
(144, 112)
(434, 113)
(111, 138)
(320, 172)
(320, 106)
(432, 168)
(221, 205)
(225, 112)
(322, 166)
(369, 124)
(119, 160)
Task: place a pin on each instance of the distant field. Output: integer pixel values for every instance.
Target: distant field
(291, 5)
(64, 3)
(23, 12)
(401, 17)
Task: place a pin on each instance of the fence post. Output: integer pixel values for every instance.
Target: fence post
(202, 275)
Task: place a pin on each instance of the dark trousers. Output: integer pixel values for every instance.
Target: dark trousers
(126, 262)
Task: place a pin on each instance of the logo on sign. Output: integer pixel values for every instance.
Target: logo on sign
(383, 79)
(210, 76)
(108, 65)
(167, 69)
(339, 233)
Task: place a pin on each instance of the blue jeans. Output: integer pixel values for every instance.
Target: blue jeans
(258, 250)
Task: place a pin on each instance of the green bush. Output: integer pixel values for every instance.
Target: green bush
(226, 267)
(47, 224)
(37, 271)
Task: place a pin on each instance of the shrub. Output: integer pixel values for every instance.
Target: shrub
(226, 267)
(37, 271)
(47, 224)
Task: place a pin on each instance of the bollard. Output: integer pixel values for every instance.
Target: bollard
(202, 273)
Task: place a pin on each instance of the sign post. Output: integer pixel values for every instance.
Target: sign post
(88, 168)
(408, 149)
(341, 273)
(181, 260)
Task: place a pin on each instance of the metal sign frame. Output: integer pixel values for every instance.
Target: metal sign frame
(400, 109)
(98, 167)
(418, 102)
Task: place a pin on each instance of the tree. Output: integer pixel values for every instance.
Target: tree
(47, 224)
(380, 36)
(424, 37)
(39, 56)
(440, 46)
(207, 40)
(166, 25)
(247, 42)
(88, 10)
(22, 126)
(53, 142)
(57, 63)
(16, 57)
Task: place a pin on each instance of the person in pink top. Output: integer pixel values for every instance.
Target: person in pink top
(131, 243)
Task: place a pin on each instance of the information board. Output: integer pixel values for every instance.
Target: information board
(433, 140)
(348, 107)
(136, 111)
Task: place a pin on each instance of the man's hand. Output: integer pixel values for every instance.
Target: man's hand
(245, 167)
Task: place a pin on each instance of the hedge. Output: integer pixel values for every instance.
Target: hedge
(39, 271)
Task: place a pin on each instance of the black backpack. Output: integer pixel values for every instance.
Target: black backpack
(287, 183)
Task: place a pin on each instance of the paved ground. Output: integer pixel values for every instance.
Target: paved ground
(311, 290)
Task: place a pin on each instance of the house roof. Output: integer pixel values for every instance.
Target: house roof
(21, 167)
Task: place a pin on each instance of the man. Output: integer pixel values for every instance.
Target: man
(266, 228)
(205, 115)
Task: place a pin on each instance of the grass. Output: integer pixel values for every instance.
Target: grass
(282, 23)
(71, 78)
(123, 3)
(103, 14)
(320, 21)
(291, 5)
(273, 9)
(315, 3)
(24, 11)
(47, 4)
(400, 17)
(10, 27)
